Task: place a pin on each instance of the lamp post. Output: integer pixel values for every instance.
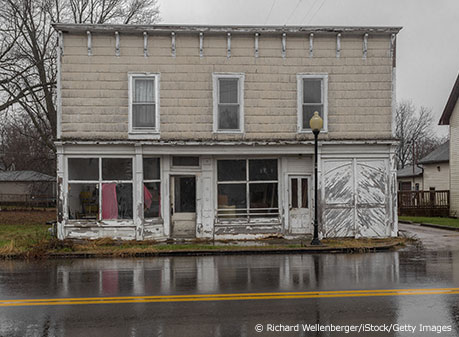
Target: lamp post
(316, 124)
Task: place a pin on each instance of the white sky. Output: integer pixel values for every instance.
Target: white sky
(427, 46)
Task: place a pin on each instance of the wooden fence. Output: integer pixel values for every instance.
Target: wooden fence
(423, 203)
(27, 200)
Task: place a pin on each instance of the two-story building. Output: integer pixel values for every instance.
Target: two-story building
(203, 131)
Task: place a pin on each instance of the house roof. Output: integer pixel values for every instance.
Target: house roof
(407, 172)
(439, 155)
(31, 176)
(139, 29)
(452, 100)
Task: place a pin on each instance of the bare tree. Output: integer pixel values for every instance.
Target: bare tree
(28, 51)
(414, 130)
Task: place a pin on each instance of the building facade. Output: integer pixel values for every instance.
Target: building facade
(203, 131)
(450, 117)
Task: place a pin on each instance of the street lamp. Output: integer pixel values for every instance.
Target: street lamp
(316, 124)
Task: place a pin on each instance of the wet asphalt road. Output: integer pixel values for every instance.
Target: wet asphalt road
(435, 264)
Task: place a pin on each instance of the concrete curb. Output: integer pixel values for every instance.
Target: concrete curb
(210, 252)
(455, 229)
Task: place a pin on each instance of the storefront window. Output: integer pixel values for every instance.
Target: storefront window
(247, 188)
(85, 185)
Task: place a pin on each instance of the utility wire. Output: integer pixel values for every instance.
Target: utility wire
(293, 11)
(317, 11)
(269, 14)
(309, 10)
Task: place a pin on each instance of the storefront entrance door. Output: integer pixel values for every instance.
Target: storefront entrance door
(300, 204)
(183, 206)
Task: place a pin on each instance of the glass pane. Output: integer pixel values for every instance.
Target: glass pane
(151, 169)
(228, 117)
(83, 168)
(116, 168)
(152, 200)
(308, 112)
(232, 196)
(312, 91)
(185, 194)
(143, 115)
(231, 170)
(262, 169)
(228, 90)
(185, 161)
(83, 201)
(263, 195)
(294, 192)
(144, 90)
(117, 201)
(304, 193)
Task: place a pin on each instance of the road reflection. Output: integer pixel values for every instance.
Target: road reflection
(226, 274)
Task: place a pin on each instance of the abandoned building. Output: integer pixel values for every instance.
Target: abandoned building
(171, 131)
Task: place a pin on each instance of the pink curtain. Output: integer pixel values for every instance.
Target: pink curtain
(147, 197)
(109, 202)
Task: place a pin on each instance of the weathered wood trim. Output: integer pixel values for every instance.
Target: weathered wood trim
(117, 43)
(338, 45)
(201, 44)
(145, 44)
(228, 45)
(365, 45)
(59, 53)
(284, 44)
(166, 29)
(173, 47)
(88, 33)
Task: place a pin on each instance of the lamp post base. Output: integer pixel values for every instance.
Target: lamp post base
(316, 242)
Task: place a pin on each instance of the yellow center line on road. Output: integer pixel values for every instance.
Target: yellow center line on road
(228, 297)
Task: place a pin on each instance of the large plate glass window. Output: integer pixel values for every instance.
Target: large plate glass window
(144, 103)
(247, 188)
(151, 188)
(312, 96)
(228, 102)
(100, 188)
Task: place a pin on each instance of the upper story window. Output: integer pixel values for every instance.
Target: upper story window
(312, 96)
(143, 103)
(228, 92)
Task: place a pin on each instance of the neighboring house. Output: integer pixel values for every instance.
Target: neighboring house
(450, 117)
(203, 131)
(431, 173)
(409, 180)
(436, 169)
(22, 186)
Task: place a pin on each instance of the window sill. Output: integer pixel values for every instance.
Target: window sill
(310, 131)
(144, 134)
(231, 132)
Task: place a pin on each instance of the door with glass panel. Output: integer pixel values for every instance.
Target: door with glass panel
(183, 206)
(300, 204)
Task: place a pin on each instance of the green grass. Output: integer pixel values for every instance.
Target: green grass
(22, 236)
(436, 221)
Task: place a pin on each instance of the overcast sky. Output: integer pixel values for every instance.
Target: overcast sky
(427, 46)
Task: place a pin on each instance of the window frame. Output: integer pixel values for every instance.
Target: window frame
(324, 93)
(215, 84)
(144, 132)
(158, 180)
(247, 216)
(99, 182)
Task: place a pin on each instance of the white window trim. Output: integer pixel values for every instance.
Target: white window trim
(215, 78)
(299, 78)
(144, 133)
